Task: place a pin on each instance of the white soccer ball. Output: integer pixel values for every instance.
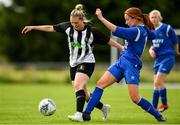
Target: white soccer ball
(47, 107)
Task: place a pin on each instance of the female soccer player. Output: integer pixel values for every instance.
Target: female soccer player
(163, 50)
(129, 63)
(81, 40)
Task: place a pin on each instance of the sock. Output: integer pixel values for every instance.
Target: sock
(80, 100)
(163, 95)
(99, 105)
(155, 99)
(94, 100)
(144, 104)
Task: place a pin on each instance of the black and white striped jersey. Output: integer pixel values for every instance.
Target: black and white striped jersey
(81, 43)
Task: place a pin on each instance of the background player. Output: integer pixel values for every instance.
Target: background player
(163, 50)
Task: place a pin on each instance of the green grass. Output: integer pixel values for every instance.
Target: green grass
(19, 105)
(148, 76)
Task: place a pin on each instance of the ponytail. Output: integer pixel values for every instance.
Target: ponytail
(147, 22)
(139, 15)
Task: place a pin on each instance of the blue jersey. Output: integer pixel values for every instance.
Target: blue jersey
(129, 64)
(165, 41)
(135, 42)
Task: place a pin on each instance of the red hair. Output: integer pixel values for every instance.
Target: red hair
(137, 14)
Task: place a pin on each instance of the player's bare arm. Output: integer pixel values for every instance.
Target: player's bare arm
(46, 28)
(152, 53)
(116, 44)
(176, 47)
(108, 24)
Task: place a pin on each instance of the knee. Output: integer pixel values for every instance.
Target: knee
(77, 86)
(158, 84)
(135, 99)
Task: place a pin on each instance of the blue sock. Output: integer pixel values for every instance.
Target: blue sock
(95, 98)
(144, 104)
(155, 99)
(163, 95)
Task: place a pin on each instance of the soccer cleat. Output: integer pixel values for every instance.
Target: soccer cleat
(162, 119)
(162, 108)
(105, 110)
(86, 117)
(77, 117)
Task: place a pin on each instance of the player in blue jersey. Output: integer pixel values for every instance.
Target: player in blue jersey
(129, 63)
(163, 50)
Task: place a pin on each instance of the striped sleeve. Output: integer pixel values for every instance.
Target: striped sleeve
(61, 27)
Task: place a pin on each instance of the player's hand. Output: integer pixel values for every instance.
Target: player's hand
(177, 53)
(99, 13)
(152, 53)
(27, 29)
(122, 48)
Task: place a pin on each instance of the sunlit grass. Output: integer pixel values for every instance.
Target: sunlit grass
(19, 105)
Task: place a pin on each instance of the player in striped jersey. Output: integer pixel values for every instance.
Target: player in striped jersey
(129, 63)
(163, 50)
(81, 39)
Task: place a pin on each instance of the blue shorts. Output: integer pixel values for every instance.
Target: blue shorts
(164, 64)
(125, 69)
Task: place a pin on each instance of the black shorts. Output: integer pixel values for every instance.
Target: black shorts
(86, 68)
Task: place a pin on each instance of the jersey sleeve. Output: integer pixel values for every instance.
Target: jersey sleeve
(99, 37)
(126, 33)
(61, 27)
(173, 36)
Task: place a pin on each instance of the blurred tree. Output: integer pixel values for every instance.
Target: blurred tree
(35, 46)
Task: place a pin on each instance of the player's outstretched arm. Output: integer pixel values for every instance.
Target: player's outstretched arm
(108, 24)
(46, 28)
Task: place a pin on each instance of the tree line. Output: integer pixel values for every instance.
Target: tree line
(46, 47)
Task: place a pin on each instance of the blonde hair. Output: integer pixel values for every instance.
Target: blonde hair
(80, 12)
(158, 12)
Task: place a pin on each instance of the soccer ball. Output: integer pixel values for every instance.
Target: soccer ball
(47, 107)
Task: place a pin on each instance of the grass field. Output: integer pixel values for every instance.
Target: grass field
(19, 105)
